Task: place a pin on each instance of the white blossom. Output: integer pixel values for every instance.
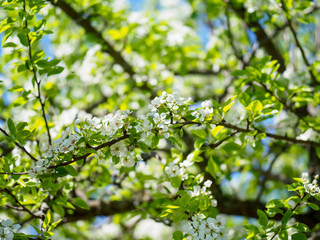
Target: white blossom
(204, 112)
(208, 183)
(7, 229)
(206, 228)
(310, 187)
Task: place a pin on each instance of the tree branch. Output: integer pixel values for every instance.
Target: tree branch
(33, 70)
(215, 145)
(293, 31)
(99, 207)
(18, 145)
(231, 38)
(288, 107)
(86, 24)
(18, 202)
(266, 175)
(77, 158)
(271, 135)
(262, 36)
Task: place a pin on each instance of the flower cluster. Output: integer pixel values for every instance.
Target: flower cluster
(112, 122)
(164, 112)
(144, 127)
(201, 191)
(162, 123)
(127, 157)
(175, 168)
(40, 168)
(172, 101)
(7, 229)
(109, 125)
(310, 187)
(65, 144)
(204, 112)
(201, 228)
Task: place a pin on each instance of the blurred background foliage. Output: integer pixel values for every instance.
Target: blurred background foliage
(121, 54)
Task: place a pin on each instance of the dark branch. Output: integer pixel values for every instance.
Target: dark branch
(18, 202)
(267, 174)
(262, 36)
(271, 135)
(18, 145)
(33, 70)
(83, 157)
(86, 24)
(285, 9)
(98, 208)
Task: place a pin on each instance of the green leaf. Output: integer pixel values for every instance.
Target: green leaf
(212, 167)
(55, 224)
(175, 181)
(37, 229)
(31, 184)
(39, 24)
(21, 68)
(23, 39)
(80, 203)
(251, 228)
(7, 35)
(204, 202)
(73, 172)
(193, 205)
(143, 147)
(238, 73)
(11, 126)
(177, 235)
(298, 236)
(9, 44)
(313, 206)
(286, 217)
(301, 227)
(283, 235)
(4, 27)
(228, 104)
(48, 219)
(21, 125)
(61, 171)
(198, 143)
(55, 71)
(263, 219)
(216, 130)
(275, 203)
(58, 209)
(232, 147)
(244, 99)
(255, 108)
(200, 133)
(20, 101)
(154, 141)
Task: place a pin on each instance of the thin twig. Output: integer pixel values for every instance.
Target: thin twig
(267, 174)
(295, 207)
(86, 24)
(19, 145)
(77, 158)
(231, 38)
(20, 204)
(33, 70)
(288, 107)
(215, 145)
(293, 31)
(14, 173)
(270, 135)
